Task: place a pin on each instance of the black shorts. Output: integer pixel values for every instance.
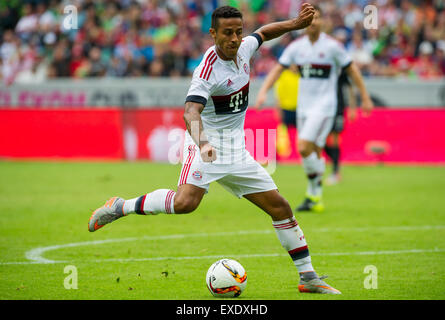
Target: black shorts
(338, 125)
(289, 118)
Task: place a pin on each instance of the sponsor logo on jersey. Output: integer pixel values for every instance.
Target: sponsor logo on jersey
(321, 71)
(232, 103)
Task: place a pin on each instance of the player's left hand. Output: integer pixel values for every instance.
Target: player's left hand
(367, 106)
(261, 98)
(305, 17)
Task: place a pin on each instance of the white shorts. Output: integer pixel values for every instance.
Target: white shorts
(314, 128)
(239, 179)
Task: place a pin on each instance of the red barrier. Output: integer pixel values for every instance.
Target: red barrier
(146, 133)
(409, 136)
(390, 135)
(89, 134)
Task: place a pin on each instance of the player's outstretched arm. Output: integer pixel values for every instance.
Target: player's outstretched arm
(354, 73)
(271, 77)
(193, 122)
(277, 29)
(352, 105)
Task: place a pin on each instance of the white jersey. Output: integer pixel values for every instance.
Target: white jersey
(319, 65)
(223, 88)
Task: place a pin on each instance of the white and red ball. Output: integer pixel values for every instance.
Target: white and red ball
(226, 278)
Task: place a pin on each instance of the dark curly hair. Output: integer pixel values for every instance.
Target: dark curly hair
(224, 12)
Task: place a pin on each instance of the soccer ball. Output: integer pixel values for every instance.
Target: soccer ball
(226, 278)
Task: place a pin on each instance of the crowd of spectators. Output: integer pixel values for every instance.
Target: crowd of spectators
(135, 38)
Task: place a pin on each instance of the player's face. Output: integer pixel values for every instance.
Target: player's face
(315, 26)
(228, 36)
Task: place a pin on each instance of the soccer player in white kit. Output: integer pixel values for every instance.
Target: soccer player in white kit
(319, 59)
(214, 146)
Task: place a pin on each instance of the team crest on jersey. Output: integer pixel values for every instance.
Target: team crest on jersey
(197, 175)
(246, 68)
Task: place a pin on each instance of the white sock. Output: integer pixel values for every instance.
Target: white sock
(158, 201)
(293, 241)
(316, 185)
(314, 168)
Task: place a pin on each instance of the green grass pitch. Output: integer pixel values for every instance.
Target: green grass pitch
(390, 217)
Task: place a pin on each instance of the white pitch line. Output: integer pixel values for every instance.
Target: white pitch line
(388, 228)
(35, 256)
(264, 255)
(259, 255)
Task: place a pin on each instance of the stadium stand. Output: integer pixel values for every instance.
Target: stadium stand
(149, 38)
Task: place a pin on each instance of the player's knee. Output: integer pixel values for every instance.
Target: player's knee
(281, 210)
(184, 205)
(286, 209)
(304, 148)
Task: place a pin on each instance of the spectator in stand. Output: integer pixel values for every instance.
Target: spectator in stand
(61, 60)
(402, 66)
(360, 53)
(193, 61)
(37, 73)
(425, 65)
(96, 66)
(142, 38)
(440, 55)
(79, 62)
(9, 53)
(28, 23)
(117, 67)
(156, 68)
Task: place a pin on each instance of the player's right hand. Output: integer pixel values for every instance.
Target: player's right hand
(367, 106)
(208, 153)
